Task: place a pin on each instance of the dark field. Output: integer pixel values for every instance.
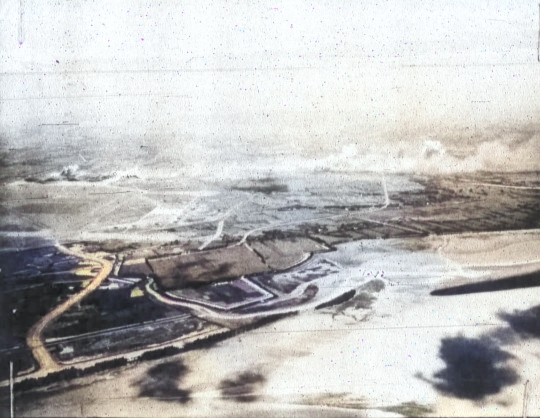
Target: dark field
(110, 308)
(208, 266)
(32, 283)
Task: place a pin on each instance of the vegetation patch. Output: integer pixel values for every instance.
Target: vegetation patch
(410, 409)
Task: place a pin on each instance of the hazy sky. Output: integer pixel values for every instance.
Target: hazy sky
(301, 79)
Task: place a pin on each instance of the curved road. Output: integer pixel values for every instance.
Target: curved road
(34, 338)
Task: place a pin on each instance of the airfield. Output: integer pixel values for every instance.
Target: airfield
(349, 302)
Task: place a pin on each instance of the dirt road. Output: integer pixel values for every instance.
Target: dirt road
(34, 338)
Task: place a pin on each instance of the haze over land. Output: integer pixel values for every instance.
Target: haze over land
(402, 86)
(287, 208)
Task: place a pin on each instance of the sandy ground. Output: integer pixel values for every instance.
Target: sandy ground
(369, 362)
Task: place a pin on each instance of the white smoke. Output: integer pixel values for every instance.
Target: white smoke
(428, 155)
